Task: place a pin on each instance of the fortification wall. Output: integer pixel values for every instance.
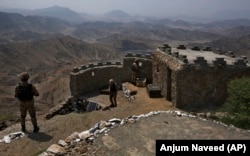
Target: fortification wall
(92, 77)
(205, 87)
(164, 73)
(198, 84)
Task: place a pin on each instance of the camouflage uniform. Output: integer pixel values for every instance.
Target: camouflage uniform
(27, 103)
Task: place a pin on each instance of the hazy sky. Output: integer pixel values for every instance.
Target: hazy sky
(133, 7)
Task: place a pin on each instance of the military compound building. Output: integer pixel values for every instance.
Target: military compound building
(189, 78)
(196, 78)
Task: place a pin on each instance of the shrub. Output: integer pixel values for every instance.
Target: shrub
(237, 105)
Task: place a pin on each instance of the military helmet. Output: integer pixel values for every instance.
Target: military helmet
(24, 76)
(111, 81)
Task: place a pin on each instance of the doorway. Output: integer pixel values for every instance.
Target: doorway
(169, 84)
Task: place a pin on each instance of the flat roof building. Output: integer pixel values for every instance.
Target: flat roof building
(196, 78)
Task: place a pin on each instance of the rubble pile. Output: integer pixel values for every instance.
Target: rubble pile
(72, 104)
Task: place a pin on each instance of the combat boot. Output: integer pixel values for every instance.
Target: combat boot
(36, 129)
(23, 128)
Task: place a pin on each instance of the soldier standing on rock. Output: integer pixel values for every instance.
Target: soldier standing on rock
(25, 92)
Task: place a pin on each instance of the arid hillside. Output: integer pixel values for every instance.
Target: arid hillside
(240, 46)
(50, 54)
(48, 48)
(49, 63)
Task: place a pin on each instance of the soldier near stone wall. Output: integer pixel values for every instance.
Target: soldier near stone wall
(113, 93)
(25, 92)
(134, 71)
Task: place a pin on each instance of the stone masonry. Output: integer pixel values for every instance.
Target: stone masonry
(194, 78)
(94, 77)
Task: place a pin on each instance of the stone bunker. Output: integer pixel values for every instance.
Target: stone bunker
(191, 78)
(94, 77)
(196, 78)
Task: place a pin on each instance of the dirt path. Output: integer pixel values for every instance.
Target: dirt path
(130, 139)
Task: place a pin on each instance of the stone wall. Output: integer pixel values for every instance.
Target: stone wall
(186, 83)
(92, 77)
(205, 87)
(164, 71)
(194, 85)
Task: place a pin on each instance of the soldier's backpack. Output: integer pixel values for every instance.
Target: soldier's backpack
(25, 92)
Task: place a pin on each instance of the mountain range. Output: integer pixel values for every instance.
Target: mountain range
(122, 16)
(48, 45)
(15, 27)
(118, 36)
(72, 16)
(50, 42)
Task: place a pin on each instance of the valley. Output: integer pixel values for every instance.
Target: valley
(50, 42)
(49, 47)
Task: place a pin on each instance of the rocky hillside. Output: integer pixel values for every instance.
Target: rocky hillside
(50, 54)
(15, 27)
(240, 46)
(139, 31)
(49, 62)
(50, 47)
(59, 12)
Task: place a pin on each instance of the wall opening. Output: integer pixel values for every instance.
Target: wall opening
(169, 84)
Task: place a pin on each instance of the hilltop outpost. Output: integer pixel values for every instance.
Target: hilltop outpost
(196, 78)
(190, 78)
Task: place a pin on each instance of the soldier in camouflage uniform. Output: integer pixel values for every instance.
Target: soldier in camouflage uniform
(25, 92)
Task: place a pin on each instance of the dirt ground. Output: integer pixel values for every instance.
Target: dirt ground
(129, 139)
